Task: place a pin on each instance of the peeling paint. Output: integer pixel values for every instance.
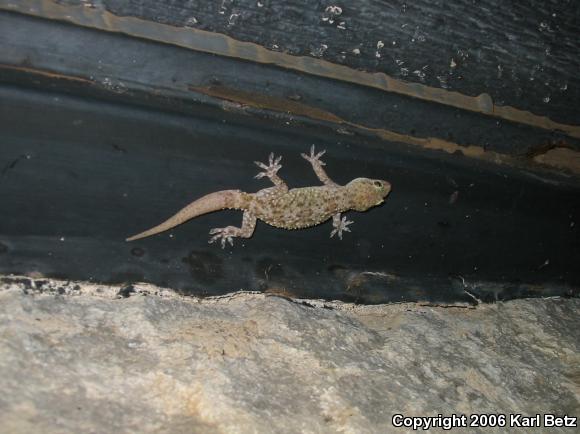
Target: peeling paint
(223, 45)
(256, 100)
(561, 158)
(263, 102)
(44, 73)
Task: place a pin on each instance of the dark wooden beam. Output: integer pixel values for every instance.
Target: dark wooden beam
(103, 135)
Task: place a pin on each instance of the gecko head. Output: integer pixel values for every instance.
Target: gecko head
(367, 193)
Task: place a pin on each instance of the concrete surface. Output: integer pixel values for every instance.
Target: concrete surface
(97, 359)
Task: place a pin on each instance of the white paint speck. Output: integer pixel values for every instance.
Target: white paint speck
(333, 10)
(356, 51)
(544, 26)
(452, 64)
(319, 51)
(419, 73)
(232, 19)
(443, 81)
(380, 44)
(192, 21)
(331, 13)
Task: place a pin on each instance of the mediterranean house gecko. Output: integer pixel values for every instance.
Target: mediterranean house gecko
(282, 207)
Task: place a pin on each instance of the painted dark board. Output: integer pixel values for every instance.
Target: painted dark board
(104, 135)
(524, 54)
(72, 59)
(79, 175)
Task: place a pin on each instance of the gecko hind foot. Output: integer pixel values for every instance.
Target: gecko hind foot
(271, 169)
(224, 235)
(314, 158)
(340, 226)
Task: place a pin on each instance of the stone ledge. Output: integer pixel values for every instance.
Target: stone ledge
(105, 362)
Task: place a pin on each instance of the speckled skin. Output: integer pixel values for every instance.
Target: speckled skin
(282, 207)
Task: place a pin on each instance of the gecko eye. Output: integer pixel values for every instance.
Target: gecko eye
(378, 184)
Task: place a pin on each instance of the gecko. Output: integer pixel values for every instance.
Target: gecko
(282, 207)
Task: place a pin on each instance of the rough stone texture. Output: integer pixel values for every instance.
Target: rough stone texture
(89, 358)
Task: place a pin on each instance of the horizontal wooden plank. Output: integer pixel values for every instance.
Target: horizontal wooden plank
(43, 53)
(103, 135)
(78, 176)
(517, 63)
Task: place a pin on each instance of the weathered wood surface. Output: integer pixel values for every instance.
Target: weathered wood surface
(72, 59)
(524, 54)
(78, 176)
(103, 135)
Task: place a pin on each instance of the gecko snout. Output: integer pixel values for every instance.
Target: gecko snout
(368, 192)
(383, 187)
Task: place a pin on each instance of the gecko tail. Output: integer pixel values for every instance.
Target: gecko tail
(204, 205)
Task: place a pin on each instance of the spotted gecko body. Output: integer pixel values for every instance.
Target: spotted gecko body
(282, 207)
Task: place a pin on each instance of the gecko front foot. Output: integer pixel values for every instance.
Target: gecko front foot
(314, 158)
(340, 225)
(223, 235)
(271, 169)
